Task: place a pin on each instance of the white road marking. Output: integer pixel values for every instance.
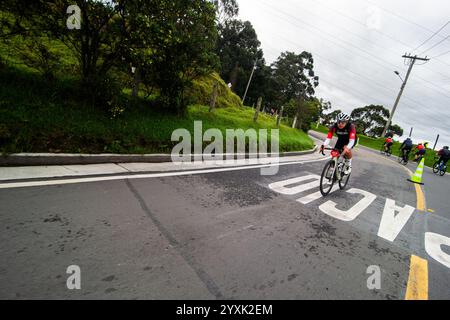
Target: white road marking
(145, 176)
(393, 219)
(433, 243)
(280, 186)
(317, 195)
(330, 209)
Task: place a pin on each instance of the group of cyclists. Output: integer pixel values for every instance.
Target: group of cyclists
(346, 134)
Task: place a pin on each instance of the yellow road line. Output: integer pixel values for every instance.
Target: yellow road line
(417, 288)
(421, 204)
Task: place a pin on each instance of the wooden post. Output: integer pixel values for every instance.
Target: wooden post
(280, 115)
(295, 121)
(299, 110)
(212, 104)
(258, 106)
(136, 81)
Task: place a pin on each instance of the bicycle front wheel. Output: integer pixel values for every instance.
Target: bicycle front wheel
(436, 168)
(327, 178)
(443, 170)
(343, 182)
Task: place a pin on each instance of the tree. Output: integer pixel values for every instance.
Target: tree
(97, 45)
(295, 79)
(367, 119)
(172, 42)
(323, 106)
(226, 10)
(370, 120)
(238, 48)
(329, 119)
(396, 129)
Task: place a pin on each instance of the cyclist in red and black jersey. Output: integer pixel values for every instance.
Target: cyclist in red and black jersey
(346, 133)
(388, 143)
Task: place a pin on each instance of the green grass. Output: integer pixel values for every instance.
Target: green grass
(36, 116)
(377, 143)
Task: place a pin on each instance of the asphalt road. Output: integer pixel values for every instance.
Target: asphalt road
(222, 235)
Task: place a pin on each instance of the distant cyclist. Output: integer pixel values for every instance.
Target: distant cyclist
(444, 155)
(421, 150)
(388, 143)
(406, 148)
(346, 133)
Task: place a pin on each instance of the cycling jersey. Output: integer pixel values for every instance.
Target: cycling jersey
(407, 144)
(444, 154)
(346, 136)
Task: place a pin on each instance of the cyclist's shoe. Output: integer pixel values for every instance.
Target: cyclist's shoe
(348, 170)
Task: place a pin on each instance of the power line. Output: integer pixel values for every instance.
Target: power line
(365, 39)
(326, 7)
(364, 95)
(440, 55)
(348, 44)
(434, 34)
(435, 45)
(353, 72)
(399, 16)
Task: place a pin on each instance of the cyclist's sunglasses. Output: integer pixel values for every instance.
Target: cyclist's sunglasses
(342, 122)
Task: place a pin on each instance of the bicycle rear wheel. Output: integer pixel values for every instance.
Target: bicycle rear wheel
(327, 178)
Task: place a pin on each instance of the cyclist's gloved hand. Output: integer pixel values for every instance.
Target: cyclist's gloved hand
(346, 150)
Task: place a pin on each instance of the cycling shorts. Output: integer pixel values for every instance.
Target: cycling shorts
(341, 144)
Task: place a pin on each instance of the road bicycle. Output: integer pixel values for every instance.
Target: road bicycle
(419, 157)
(333, 172)
(403, 157)
(439, 167)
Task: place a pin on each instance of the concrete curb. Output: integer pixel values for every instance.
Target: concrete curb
(47, 159)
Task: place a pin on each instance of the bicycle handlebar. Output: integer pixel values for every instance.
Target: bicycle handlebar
(323, 153)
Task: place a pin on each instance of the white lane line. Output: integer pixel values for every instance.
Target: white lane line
(145, 176)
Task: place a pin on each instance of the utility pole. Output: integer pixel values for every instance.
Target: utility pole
(411, 64)
(437, 139)
(410, 133)
(249, 80)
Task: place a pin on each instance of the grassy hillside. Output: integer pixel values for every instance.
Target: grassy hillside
(36, 116)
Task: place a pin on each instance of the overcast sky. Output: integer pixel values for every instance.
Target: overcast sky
(358, 44)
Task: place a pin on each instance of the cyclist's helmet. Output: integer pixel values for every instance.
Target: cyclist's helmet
(446, 147)
(342, 117)
(425, 144)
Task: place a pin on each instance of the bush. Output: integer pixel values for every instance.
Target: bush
(202, 88)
